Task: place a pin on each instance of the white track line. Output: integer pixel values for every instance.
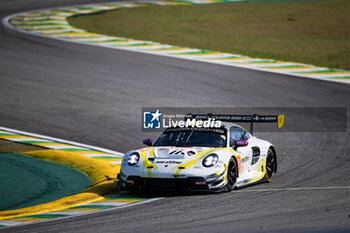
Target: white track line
(70, 212)
(62, 141)
(106, 203)
(9, 223)
(292, 189)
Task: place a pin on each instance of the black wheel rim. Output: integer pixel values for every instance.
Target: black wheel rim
(270, 163)
(232, 174)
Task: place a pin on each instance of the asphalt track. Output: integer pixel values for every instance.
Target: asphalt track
(94, 96)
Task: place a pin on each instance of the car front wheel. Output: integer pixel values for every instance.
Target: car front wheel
(231, 175)
(270, 164)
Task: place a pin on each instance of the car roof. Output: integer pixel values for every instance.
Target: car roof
(228, 125)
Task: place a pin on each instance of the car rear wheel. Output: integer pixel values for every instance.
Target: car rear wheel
(270, 164)
(231, 175)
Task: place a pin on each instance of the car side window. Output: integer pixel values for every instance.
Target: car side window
(237, 133)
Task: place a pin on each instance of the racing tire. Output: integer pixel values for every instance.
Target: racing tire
(231, 175)
(270, 165)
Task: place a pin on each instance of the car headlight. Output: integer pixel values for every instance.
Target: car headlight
(133, 159)
(210, 160)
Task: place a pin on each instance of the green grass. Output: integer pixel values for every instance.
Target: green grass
(314, 32)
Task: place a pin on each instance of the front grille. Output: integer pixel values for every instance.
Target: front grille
(188, 184)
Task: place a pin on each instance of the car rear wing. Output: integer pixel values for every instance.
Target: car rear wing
(254, 118)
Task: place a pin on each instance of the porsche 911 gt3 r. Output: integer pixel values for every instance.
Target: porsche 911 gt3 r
(202, 159)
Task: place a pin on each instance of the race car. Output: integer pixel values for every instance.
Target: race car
(202, 158)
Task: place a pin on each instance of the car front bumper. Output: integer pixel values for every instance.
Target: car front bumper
(137, 183)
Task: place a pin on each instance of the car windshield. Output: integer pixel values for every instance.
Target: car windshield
(187, 137)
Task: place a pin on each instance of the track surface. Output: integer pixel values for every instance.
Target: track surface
(94, 95)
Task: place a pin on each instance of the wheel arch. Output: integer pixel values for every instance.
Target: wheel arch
(237, 167)
(274, 152)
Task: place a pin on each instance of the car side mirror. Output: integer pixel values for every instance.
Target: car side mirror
(240, 143)
(148, 142)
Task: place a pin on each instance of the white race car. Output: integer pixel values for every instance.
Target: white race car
(202, 159)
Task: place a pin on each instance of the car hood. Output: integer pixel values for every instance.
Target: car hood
(177, 152)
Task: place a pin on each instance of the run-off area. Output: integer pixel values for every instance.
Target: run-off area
(25, 181)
